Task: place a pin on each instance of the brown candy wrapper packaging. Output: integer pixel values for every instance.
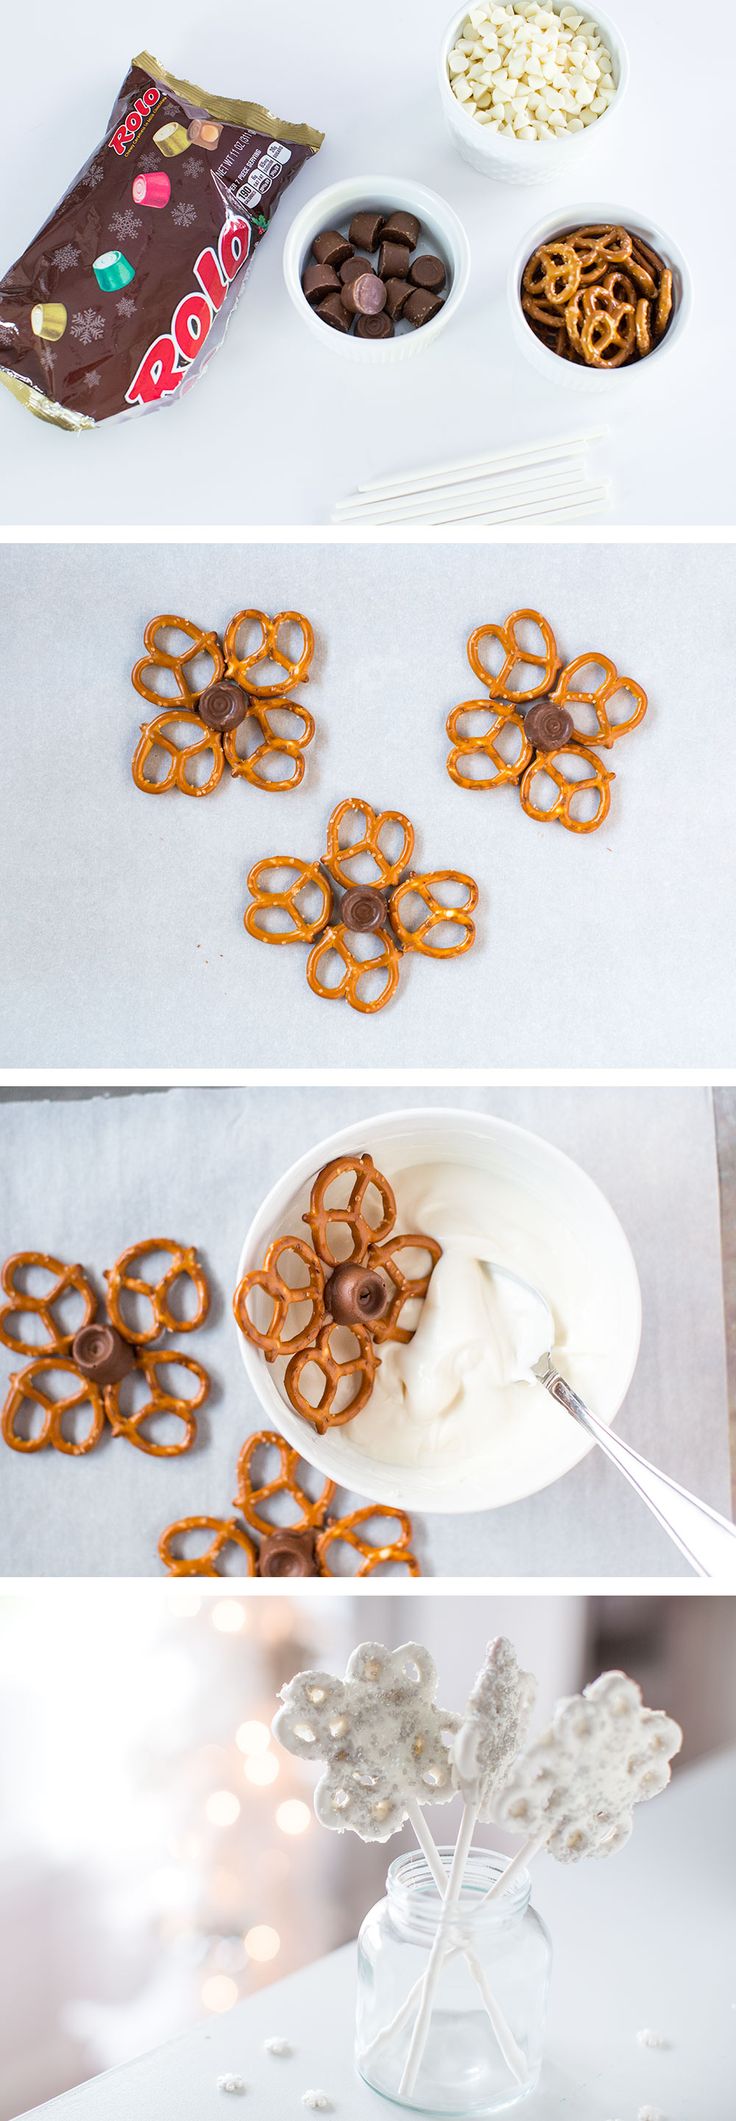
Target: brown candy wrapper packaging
(118, 303)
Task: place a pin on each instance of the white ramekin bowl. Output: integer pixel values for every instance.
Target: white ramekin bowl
(528, 161)
(335, 207)
(573, 374)
(504, 1152)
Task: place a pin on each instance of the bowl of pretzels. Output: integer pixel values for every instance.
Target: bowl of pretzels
(597, 295)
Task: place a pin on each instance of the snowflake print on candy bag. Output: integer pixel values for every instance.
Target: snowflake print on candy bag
(576, 1785)
(380, 1733)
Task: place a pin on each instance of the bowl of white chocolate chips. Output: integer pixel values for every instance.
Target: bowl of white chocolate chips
(524, 87)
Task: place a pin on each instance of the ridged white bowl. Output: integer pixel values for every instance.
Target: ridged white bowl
(528, 161)
(572, 374)
(334, 208)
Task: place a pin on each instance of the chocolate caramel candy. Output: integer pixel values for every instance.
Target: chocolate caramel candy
(332, 312)
(378, 327)
(331, 248)
(402, 228)
(352, 269)
(428, 272)
(319, 281)
(365, 296)
(101, 1354)
(393, 260)
(223, 706)
(397, 295)
(421, 306)
(548, 727)
(356, 1295)
(287, 1553)
(363, 908)
(365, 229)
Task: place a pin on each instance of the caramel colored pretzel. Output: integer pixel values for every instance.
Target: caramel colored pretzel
(358, 932)
(321, 1216)
(184, 1261)
(241, 668)
(26, 1389)
(333, 1372)
(599, 779)
(516, 657)
(552, 274)
(285, 1296)
(348, 1531)
(249, 1499)
(438, 915)
(160, 1401)
(486, 746)
(157, 659)
(154, 738)
(42, 1307)
(405, 1288)
(272, 746)
(227, 1532)
(546, 730)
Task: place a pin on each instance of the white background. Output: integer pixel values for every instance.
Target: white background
(280, 427)
(85, 1179)
(126, 947)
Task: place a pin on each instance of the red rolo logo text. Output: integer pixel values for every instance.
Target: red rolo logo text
(166, 361)
(131, 125)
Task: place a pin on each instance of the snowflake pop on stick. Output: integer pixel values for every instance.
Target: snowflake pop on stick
(493, 1728)
(574, 1789)
(380, 1733)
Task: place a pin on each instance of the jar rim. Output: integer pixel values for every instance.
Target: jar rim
(412, 1890)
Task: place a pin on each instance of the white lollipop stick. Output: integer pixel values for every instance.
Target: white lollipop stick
(558, 445)
(434, 1964)
(518, 1862)
(511, 2052)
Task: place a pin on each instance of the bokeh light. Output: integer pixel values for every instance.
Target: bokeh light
(262, 1943)
(262, 1769)
(219, 1992)
(223, 1808)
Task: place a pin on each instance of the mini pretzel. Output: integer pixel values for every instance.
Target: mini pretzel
(567, 694)
(26, 1390)
(302, 929)
(157, 659)
(406, 1288)
(153, 737)
(284, 1296)
(362, 1366)
(347, 1531)
(242, 667)
(42, 1307)
(600, 779)
(614, 245)
(119, 1278)
(608, 339)
(486, 746)
(363, 1234)
(160, 1402)
(552, 275)
(547, 663)
(339, 854)
(272, 746)
(663, 309)
(226, 1533)
(249, 1499)
(438, 916)
(383, 958)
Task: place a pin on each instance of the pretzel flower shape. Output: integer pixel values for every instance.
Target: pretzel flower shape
(574, 1789)
(302, 1544)
(380, 1733)
(543, 737)
(96, 1359)
(361, 906)
(354, 1282)
(214, 708)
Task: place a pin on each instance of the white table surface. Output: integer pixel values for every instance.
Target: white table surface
(84, 1179)
(280, 427)
(648, 1939)
(126, 947)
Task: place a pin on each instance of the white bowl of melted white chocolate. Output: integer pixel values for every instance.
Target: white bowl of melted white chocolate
(450, 1424)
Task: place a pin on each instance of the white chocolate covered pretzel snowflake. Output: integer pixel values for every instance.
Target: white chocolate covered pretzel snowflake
(576, 1786)
(384, 1740)
(493, 1728)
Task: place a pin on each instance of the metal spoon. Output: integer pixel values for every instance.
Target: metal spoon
(707, 1540)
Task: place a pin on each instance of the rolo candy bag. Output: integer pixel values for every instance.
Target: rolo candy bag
(118, 302)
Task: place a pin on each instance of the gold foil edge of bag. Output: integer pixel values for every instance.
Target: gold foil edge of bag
(44, 408)
(251, 116)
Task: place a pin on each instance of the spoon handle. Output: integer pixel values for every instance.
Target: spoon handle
(706, 1539)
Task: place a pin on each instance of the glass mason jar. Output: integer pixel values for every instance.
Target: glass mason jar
(483, 2051)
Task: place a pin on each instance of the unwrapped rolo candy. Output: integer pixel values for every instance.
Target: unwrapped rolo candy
(122, 296)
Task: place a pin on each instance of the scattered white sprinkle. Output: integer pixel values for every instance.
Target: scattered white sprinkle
(650, 2113)
(278, 2046)
(646, 2038)
(231, 2084)
(318, 2101)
